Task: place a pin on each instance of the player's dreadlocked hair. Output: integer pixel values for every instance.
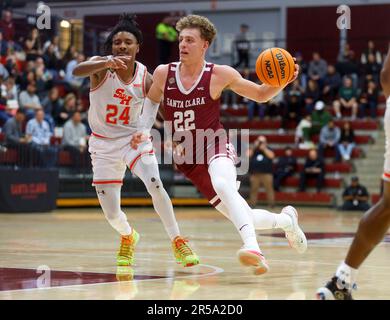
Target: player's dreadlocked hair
(126, 23)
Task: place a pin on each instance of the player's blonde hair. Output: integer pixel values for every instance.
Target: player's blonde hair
(205, 26)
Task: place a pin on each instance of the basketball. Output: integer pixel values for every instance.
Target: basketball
(275, 67)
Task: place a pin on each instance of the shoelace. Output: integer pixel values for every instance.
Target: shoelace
(125, 248)
(182, 247)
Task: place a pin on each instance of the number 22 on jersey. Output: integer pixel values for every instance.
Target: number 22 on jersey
(184, 120)
(112, 111)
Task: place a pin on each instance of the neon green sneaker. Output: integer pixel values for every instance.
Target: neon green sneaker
(183, 253)
(124, 273)
(125, 256)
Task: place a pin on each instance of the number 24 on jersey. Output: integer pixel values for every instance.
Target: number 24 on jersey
(112, 111)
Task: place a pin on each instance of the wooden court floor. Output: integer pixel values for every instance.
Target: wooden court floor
(70, 254)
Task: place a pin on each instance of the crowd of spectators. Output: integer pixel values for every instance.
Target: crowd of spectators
(41, 102)
(315, 102)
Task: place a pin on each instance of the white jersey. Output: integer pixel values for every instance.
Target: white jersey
(115, 106)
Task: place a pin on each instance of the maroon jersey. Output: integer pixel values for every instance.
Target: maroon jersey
(194, 108)
(193, 111)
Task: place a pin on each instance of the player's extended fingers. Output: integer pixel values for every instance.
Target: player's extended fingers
(124, 58)
(119, 64)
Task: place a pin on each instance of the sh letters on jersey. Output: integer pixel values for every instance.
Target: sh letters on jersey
(28, 190)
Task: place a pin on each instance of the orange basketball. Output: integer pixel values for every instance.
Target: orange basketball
(275, 67)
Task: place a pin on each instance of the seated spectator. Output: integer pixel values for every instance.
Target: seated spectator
(350, 68)
(261, 109)
(75, 82)
(15, 138)
(229, 98)
(317, 69)
(347, 142)
(52, 105)
(303, 69)
(52, 61)
(261, 171)
(371, 69)
(293, 110)
(38, 130)
(11, 89)
(3, 72)
(7, 24)
(355, 197)
(332, 84)
(3, 45)
(68, 108)
(43, 78)
(329, 139)
(302, 133)
(343, 52)
(33, 45)
(369, 100)
(4, 112)
(312, 94)
(74, 141)
(275, 106)
(371, 50)
(285, 167)
(29, 101)
(53, 42)
(319, 118)
(348, 96)
(313, 169)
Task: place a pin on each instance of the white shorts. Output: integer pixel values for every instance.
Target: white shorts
(110, 157)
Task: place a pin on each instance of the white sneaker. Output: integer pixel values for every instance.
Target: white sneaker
(254, 259)
(295, 235)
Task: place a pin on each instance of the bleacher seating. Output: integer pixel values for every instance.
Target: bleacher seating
(334, 181)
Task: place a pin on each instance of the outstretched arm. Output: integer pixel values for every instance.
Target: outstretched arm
(97, 64)
(385, 75)
(249, 89)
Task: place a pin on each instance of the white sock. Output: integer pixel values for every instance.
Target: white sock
(223, 177)
(347, 275)
(110, 200)
(147, 170)
(262, 219)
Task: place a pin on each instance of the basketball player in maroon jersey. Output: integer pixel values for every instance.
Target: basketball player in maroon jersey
(374, 224)
(191, 91)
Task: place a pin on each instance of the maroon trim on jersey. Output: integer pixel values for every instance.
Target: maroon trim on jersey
(216, 203)
(135, 74)
(101, 83)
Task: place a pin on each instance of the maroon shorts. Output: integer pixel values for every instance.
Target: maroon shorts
(199, 174)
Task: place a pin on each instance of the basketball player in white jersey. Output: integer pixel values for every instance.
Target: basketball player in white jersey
(119, 85)
(374, 224)
(190, 82)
